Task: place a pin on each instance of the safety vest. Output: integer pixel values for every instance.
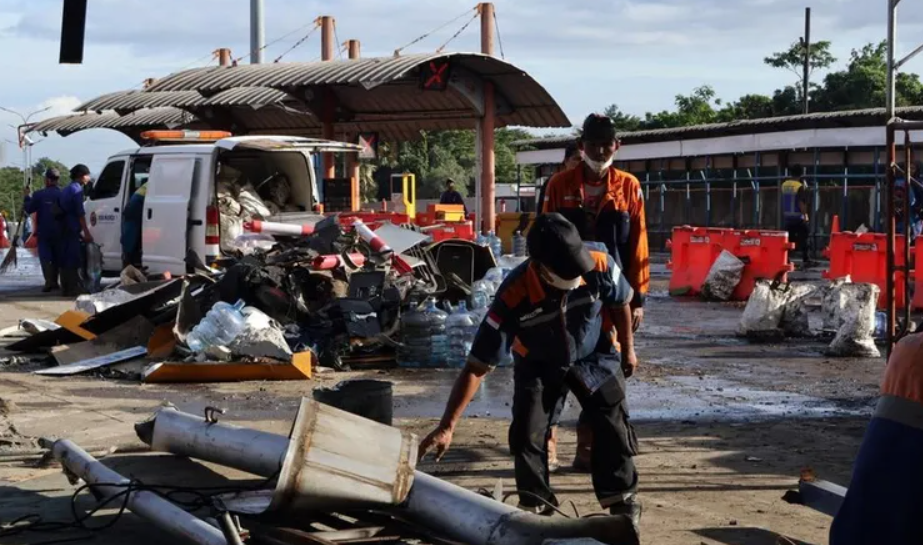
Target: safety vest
(790, 189)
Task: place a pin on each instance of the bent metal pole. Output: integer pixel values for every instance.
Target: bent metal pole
(146, 505)
(444, 508)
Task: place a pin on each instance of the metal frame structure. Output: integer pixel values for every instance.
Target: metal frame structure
(895, 125)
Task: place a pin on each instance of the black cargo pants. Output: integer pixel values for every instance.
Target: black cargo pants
(599, 385)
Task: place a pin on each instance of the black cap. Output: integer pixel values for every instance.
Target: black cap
(555, 243)
(598, 128)
(79, 170)
(52, 174)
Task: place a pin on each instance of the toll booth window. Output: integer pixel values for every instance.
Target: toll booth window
(140, 171)
(109, 182)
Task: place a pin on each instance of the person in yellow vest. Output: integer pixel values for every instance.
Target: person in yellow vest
(795, 218)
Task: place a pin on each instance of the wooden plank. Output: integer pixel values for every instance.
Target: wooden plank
(299, 369)
(95, 363)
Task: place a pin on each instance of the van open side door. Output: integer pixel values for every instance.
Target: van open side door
(166, 213)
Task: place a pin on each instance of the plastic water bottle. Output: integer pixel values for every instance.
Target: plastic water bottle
(479, 303)
(482, 240)
(423, 337)
(496, 245)
(496, 276)
(519, 245)
(460, 328)
(219, 327)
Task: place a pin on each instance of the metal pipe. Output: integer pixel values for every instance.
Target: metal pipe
(487, 125)
(907, 230)
(224, 56)
(183, 434)
(890, 90)
(146, 505)
(889, 281)
(328, 48)
(352, 159)
(442, 507)
(257, 27)
(806, 77)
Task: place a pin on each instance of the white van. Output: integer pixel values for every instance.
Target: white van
(180, 210)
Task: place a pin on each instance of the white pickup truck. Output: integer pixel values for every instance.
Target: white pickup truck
(181, 207)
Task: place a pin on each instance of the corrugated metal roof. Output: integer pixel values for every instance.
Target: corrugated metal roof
(846, 118)
(374, 94)
(160, 117)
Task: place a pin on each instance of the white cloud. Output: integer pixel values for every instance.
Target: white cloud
(637, 53)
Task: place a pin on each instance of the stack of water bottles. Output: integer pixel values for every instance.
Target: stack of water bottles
(423, 337)
(223, 323)
(492, 241)
(461, 326)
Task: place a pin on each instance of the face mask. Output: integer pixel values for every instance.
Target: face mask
(556, 281)
(597, 166)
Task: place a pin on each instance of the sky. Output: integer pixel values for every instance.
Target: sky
(638, 54)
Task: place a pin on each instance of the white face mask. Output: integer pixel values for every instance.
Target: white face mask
(557, 282)
(597, 166)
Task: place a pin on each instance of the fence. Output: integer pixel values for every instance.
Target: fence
(745, 198)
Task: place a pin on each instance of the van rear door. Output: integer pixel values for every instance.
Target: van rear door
(104, 212)
(166, 213)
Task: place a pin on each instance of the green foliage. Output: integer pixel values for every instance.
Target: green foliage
(860, 84)
(43, 164)
(11, 182)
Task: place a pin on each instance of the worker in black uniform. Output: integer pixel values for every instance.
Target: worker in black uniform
(552, 307)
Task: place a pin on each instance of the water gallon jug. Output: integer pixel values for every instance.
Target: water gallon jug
(520, 249)
(461, 326)
(423, 337)
(222, 324)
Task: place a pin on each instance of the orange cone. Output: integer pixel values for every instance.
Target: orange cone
(835, 228)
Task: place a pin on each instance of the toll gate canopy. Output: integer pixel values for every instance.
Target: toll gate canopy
(388, 98)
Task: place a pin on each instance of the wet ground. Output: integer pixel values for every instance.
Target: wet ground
(725, 425)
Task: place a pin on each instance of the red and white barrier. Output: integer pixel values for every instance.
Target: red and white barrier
(375, 241)
(330, 262)
(274, 228)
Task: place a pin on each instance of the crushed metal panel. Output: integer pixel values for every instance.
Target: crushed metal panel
(95, 363)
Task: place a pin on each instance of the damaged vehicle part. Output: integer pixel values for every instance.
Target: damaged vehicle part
(444, 508)
(106, 484)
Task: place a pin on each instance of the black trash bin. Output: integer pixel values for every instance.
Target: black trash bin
(372, 399)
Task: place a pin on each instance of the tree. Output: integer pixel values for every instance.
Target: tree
(43, 164)
(623, 122)
(793, 59)
(863, 84)
(696, 108)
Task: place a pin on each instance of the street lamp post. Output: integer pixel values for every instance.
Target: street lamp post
(25, 143)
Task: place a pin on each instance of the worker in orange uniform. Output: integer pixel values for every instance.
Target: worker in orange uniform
(607, 206)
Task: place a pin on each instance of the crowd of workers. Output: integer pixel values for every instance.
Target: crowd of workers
(61, 227)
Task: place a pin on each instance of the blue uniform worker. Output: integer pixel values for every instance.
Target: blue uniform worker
(45, 204)
(131, 228)
(552, 307)
(75, 223)
(884, 501)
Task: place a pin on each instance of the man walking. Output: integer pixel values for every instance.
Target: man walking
(452, 196)
(44, 203)
(75, 223)
(607, 206)
(552, 307)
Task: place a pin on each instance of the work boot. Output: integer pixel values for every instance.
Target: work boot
(70, 283)
(630, 507)
(50, 272)
(582, 461)
(552, 448)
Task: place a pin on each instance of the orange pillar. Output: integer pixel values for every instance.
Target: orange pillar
(224, 57)
(488, 215)
(327, 51)
(353, 158)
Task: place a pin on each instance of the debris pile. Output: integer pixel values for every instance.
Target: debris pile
(284, 298)
(842, 311)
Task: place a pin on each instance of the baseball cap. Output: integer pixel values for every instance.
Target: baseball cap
(598, 128)
(555, 243)
(52, 174)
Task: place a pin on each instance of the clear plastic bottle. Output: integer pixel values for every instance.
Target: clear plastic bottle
(479, 303)
(520, 248)
(222, 324)
(496, 245)
(460, 328)
(881, 324)
(482, 240)
(423, 337)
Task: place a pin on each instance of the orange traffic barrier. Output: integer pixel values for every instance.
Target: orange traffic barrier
(452, 230)
(693, 251)
(864, 259)
(835, 226)
(765, 254)
(4, 240)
